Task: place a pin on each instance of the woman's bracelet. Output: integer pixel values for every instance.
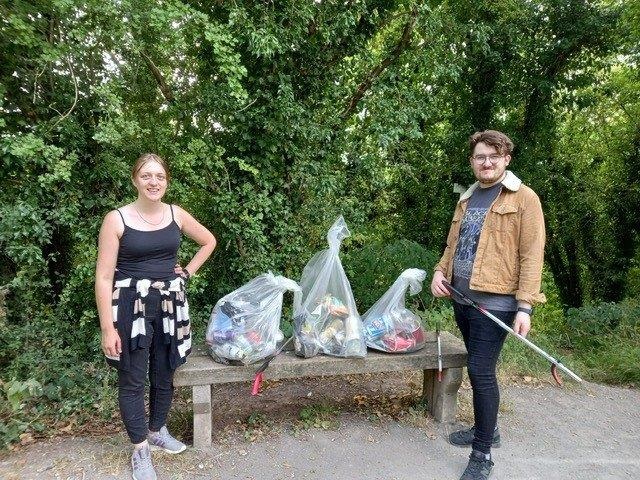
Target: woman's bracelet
(186, 274)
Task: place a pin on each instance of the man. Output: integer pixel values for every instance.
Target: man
(494, 255)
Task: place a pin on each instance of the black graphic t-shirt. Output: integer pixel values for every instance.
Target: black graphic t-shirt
(478, 206)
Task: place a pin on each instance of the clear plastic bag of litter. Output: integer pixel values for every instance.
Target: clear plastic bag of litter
(326, 319)
(388, 325)
(244, 327)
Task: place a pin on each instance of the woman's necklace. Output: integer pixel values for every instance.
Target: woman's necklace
(147, 221)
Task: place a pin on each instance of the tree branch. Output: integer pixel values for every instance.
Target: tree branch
(75, 98)
(164, 88)
(365, 85)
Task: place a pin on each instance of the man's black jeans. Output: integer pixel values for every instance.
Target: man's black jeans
(484, 340)
(155, 360)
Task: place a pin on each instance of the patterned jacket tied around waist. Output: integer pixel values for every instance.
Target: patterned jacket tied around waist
(129, 303)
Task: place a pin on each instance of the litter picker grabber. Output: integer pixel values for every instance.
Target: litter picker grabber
(257, 380)
(555, 364)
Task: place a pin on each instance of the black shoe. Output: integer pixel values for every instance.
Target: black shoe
(478, 468)
(464, 438)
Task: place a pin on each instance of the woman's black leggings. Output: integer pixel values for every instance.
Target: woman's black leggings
(155, 361)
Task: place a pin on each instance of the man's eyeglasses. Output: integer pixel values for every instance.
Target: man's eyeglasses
(480, 159)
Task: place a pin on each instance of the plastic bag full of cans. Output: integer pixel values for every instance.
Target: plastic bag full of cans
(388, 325)
(245, 324)
(326, 319)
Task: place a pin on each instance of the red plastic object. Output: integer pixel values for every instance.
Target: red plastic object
(254, 337)
(418, 335)
(398, 344)
(257, 381)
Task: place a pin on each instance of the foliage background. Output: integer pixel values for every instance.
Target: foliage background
(276, 116)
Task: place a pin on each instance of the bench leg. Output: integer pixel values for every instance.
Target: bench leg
(442, 397)
(202, 416)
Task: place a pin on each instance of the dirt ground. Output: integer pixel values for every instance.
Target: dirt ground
(367, 427)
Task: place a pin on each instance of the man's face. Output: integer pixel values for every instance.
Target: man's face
(487, 164)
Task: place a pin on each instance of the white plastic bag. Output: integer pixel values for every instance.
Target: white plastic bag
(245, 324)
(388, 325)
(326, 318)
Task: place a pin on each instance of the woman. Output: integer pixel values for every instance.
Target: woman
(142, 305)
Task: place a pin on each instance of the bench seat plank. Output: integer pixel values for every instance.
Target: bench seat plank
(201, 369)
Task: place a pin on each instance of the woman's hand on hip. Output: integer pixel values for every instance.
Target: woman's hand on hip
(182, 272)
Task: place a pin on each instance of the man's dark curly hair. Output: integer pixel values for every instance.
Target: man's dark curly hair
(493, 138)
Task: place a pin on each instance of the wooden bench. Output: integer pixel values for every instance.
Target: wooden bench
(201, 373)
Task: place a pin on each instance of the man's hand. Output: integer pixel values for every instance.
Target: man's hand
(522, 323)
(437, 288)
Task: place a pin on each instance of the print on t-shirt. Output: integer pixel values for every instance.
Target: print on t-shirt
(468, 241)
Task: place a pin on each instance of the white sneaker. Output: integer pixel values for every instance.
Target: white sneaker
(164, 441)
(141, 464)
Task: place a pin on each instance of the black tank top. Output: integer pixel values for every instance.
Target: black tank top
(148, 254)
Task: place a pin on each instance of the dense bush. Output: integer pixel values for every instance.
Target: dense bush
(632, 289)
(592, 322)
(374, 267)
(599, 342)
(606, 339)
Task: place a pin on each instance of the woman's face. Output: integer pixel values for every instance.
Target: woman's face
(151, 181)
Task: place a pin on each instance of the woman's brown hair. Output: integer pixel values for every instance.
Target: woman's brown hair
(149, 157)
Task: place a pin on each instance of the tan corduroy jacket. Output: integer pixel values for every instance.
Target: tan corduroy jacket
(510, 250)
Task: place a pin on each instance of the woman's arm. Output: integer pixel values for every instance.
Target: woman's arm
(108, 244)
(198, 233)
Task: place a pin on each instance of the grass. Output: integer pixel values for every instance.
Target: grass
(256, 426)
(322, 416)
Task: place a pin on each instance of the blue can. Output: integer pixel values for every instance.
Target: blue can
(222, 322)
(377, 327)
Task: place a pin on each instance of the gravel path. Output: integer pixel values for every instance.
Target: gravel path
(547, 434)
